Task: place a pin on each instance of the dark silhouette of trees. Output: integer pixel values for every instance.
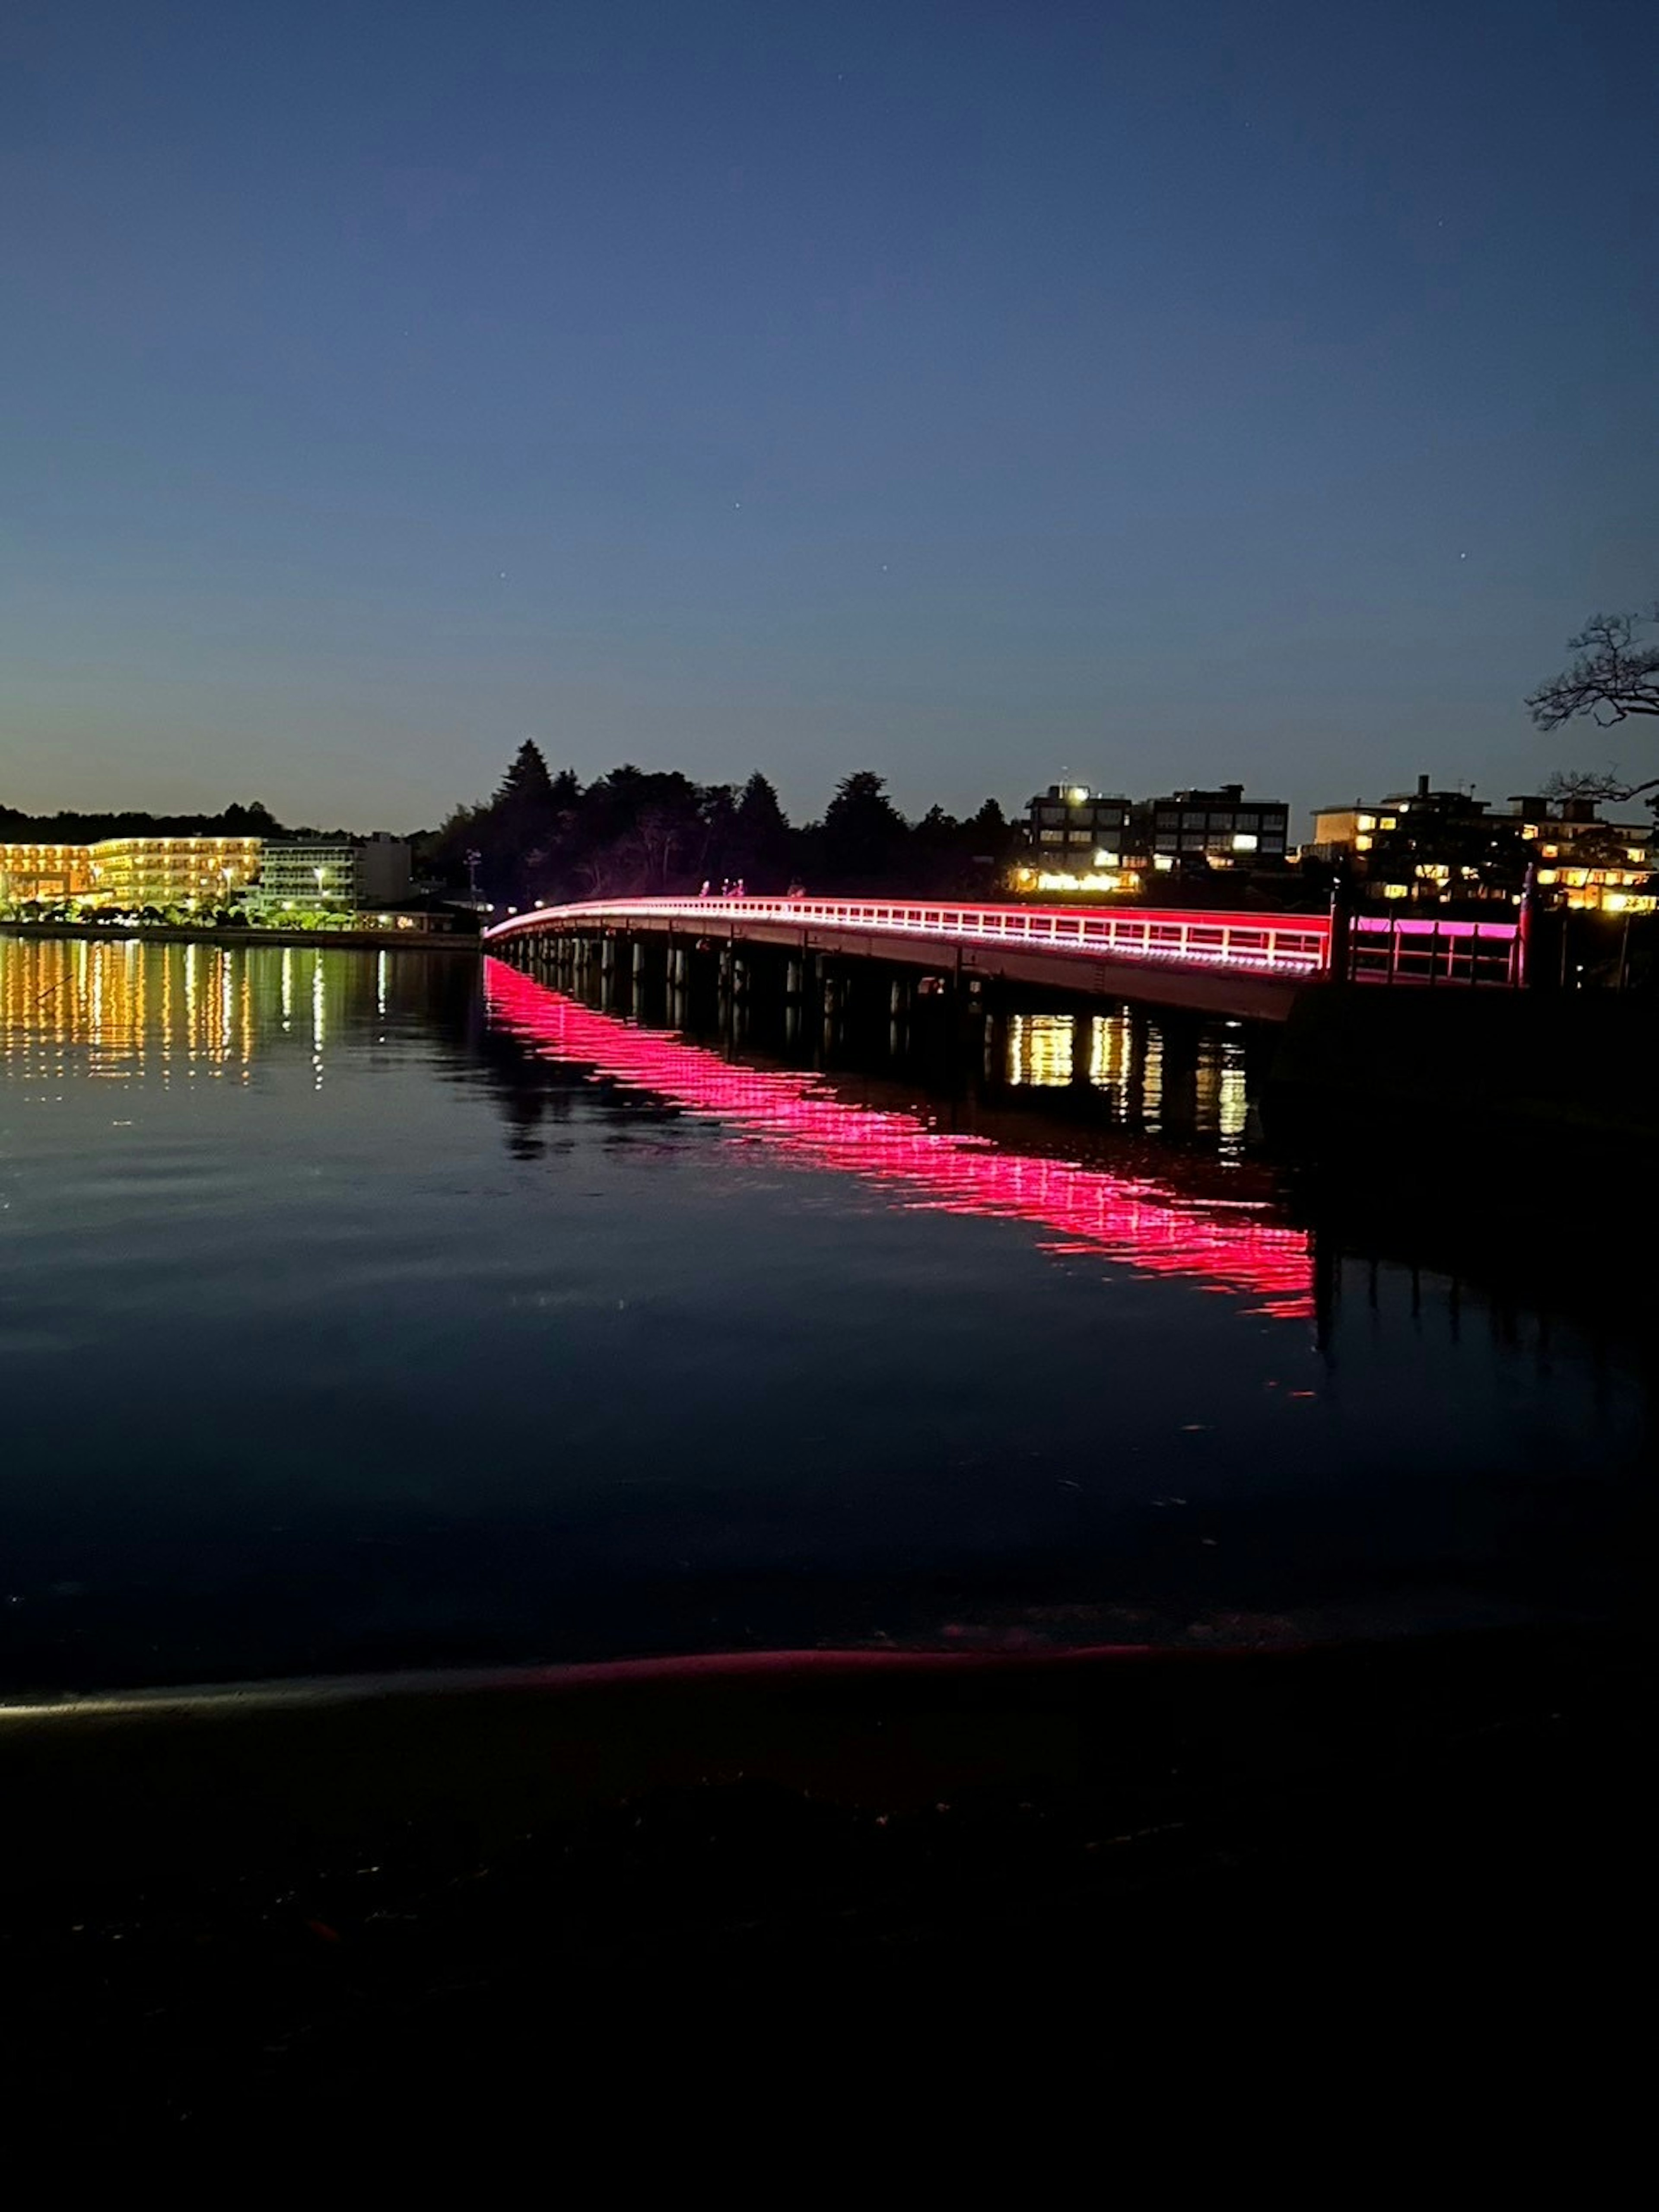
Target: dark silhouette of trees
(635, 831)
(862, 837)
(255, 819)
(763, 845)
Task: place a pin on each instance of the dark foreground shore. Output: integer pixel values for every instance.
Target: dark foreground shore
(389, 1899)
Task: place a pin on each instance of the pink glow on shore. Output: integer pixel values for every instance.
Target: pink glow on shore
(1135, 1221)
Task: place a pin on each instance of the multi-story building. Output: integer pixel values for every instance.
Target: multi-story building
(336, 875)
(1584, 862)
(1435, 846)
(1076, 839)
(46, 873)
(131, 872)
(1218, 828)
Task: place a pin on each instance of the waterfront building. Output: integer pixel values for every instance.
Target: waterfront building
(48, 873)
(133, 872)
(336, 875)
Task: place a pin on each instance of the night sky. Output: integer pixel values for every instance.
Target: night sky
(1164, 392)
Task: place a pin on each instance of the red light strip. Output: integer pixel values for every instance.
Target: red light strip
(1135, 1221)
(1298, 944)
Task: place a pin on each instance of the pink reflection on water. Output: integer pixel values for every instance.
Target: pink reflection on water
(1137, 1221)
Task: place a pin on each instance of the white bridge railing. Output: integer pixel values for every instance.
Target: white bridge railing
(1297, 944)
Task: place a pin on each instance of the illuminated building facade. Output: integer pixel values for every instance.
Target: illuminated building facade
(338, 875)
(1218, 828)
(49, 873)
(133, 872)
(1076, 839)
(1583, 862)
(1433, 847)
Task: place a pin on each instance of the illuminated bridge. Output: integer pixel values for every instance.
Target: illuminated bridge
(1248, 966)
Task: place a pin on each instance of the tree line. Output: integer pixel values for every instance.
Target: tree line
(68, 827)
(634, 832)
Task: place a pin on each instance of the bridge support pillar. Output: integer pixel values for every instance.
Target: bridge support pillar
(1178, 1104)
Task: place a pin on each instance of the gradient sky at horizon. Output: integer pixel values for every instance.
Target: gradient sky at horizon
(1162, 391)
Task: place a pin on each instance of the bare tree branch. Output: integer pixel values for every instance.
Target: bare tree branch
(1613, 672)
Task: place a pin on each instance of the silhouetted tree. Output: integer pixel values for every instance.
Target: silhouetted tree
(990, 832)
(1614, 676)
(527, 785)
(863, 835)
(763, 853)
(1566, 783)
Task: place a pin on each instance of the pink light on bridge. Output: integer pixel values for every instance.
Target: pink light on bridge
(1228, 1248)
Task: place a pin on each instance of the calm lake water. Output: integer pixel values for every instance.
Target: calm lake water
(365, 1311)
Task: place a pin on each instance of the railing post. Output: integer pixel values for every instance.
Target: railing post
(1338, 943)
(1520, 975)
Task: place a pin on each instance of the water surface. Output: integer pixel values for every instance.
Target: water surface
(362, 1311)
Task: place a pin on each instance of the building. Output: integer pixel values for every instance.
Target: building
(1076, 839)
(1218, 828)
(1427, 845)
(1584, 862)
(336, 875)
(133, 873)
(48, 873)
(1433, 847)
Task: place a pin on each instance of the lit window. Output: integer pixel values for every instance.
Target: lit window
(1244, 841)
(1106, 859)
(1364, 822)
(1363, 844)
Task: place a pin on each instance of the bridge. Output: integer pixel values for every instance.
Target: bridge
(1250, 967)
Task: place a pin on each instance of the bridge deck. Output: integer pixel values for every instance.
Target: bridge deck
(1246, 965)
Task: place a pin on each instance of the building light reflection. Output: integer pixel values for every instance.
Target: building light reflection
(1136, 1221)
(128, 1009)
(1040, 1049)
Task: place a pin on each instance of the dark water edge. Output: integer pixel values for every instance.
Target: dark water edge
(425, 1908)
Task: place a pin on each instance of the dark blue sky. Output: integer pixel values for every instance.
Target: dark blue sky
(1166, 392)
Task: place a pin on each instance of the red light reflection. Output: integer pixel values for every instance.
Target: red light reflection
(1136, 1221)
